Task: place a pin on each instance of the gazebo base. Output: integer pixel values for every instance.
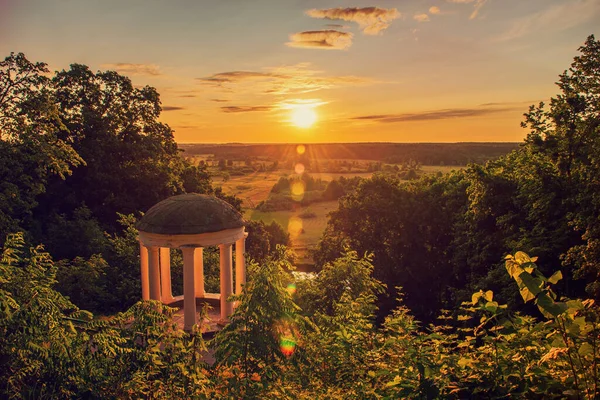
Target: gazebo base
(212, 322)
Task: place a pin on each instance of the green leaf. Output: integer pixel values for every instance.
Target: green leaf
(585, 349)
(491, 306)
(465, 362)
(476, 296)
(533, 284)
(549, 307)
(397, 381)
(522, 257)
(557, 276)
(526, 294)
(489, 295)
(513, 268)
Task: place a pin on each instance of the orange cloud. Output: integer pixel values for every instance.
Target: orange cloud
(434, 10)
(435, 115)
(372, 20)
(421, 17)
(240, 109)
(134, 69)
(327, 40)
(172, 108)
(284, 80)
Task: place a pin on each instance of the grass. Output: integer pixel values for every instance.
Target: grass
(252, 188)
(305, 233)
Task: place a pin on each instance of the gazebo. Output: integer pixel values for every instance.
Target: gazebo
(191, 222)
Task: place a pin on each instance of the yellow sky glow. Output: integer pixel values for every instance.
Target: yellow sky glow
(283, 71)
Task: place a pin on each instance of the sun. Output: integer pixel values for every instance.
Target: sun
(303, 117)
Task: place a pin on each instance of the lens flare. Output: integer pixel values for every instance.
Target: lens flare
(291, 289)
(288, 335)
(295, 226)
(297, 190)
(300, 149)
(287, 345)
(299, 168)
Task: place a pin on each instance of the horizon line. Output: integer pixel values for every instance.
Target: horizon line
(306, 143)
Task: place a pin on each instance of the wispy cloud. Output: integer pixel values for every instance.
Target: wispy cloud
(300, 103)
(134, 69)
(434, 10)
(477, 4)
(327, 40)
(513, 104)
(434, 115)
(242, 109)
(372, 20)
(236, 76)
(285, 80)
(337, 26)
(421, 17)
(172, 108)
(185, 126)
(557, 17)
(220, 100)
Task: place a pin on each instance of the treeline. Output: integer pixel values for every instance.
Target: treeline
(441, 238)
(304, 190)
(82, 154)
(393, 153)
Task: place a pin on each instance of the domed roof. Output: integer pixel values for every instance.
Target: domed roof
(190, 214)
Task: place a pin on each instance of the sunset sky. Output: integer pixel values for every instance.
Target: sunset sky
(256, 70)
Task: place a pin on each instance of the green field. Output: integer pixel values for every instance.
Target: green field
(256, 187)
(252, 188)
(304, 232)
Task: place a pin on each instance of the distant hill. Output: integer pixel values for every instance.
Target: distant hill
(424, 153)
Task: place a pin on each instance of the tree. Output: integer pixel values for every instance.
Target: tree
(131, 159)
(263, 239)
(31, 150)
(29, 117)
(264, 328)
(408, 227)
(568, 132)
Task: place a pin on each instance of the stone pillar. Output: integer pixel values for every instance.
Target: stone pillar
(226, 281)
(189, 298)
(144, 271)
(165, 275)
(240, 264)
(199, 274)
(154, 273)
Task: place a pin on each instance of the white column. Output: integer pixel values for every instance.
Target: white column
(166, 295)
(144, 271)
(189, 298)
(226, 282)
(240, 264)
(199, 275)
(154, 273)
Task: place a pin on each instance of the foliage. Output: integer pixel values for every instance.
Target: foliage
(31, 150)
(264, 329)
(450, 232)
(406, 227)
(567, 133)
(273, 349)
(263, 239)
